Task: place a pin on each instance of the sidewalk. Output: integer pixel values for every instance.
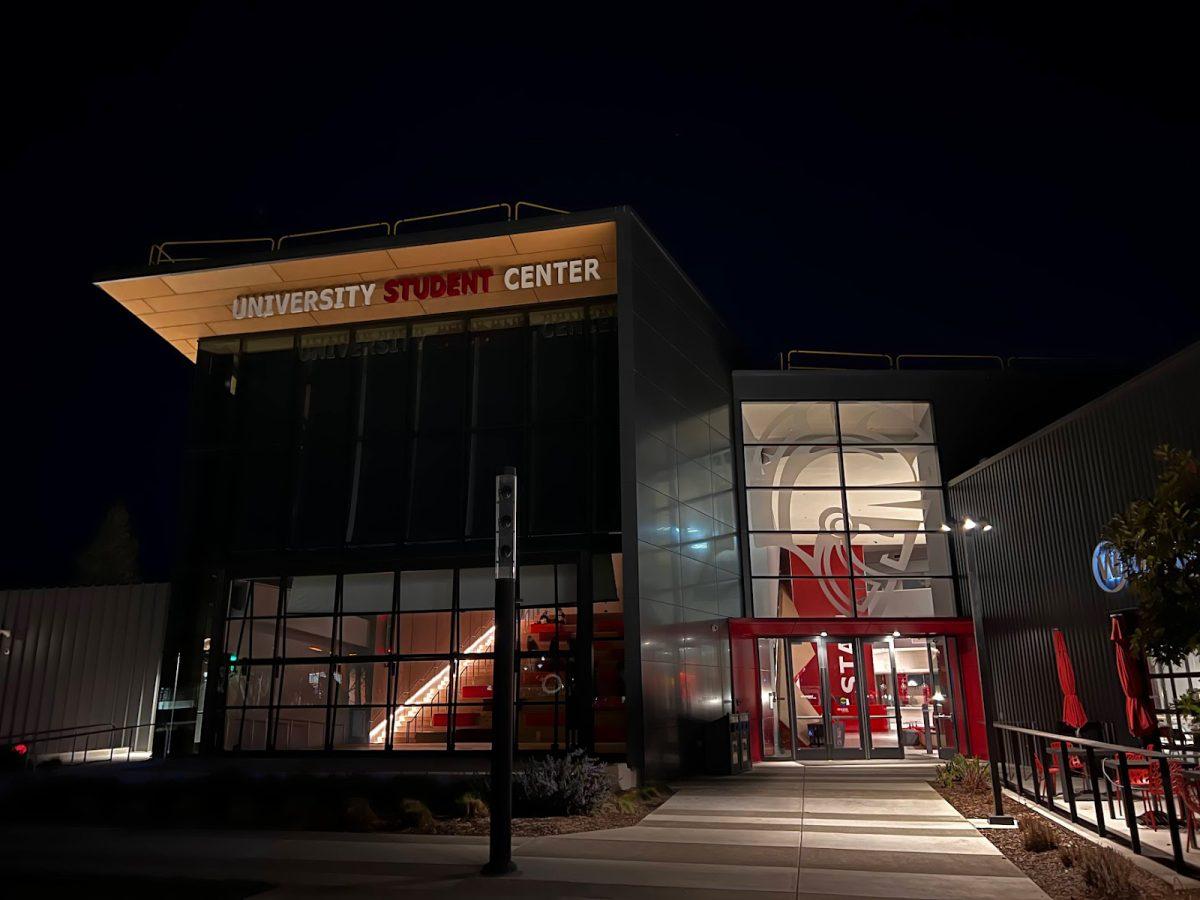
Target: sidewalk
(783, 831)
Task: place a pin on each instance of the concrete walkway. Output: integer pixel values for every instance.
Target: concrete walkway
(784, 831)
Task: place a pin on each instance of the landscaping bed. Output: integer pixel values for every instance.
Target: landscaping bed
(623, 811)
(1048, 868)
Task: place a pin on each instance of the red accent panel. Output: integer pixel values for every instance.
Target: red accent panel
(747, 696)
(971, 692)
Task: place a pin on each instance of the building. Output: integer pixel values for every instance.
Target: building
(697, 539)
(1044, 570)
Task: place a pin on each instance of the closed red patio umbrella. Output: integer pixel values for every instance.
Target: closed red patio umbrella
(1138, 714)
(1073, 712)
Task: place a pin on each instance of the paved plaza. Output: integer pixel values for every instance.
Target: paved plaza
(783, 831)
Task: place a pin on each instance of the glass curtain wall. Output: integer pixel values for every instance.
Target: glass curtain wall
(844, 509)
(387, 660)
(391, 435)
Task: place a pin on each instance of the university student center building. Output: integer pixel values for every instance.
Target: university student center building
(695, 539)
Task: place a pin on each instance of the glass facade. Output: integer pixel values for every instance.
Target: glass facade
(390, 435)
(404, 661)
(844, 506)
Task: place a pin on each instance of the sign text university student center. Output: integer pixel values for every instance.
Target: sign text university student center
(695, 541)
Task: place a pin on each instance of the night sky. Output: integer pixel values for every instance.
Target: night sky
(907, 178)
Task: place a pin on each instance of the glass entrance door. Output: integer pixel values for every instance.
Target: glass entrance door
(807, 677)
(844, 699)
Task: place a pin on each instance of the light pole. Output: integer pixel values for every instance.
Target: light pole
(500, 861)
(970, 528)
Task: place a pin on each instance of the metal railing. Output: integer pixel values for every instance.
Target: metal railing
(176, 251)
(74, 745)
(848, 359)
(1041, 758)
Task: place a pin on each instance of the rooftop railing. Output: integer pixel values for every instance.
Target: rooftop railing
(186, 251)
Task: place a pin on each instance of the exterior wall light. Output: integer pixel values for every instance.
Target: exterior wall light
(968, 524)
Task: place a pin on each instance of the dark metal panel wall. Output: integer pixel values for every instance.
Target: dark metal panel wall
(1049, 496)
(82, 656)
(680, 542)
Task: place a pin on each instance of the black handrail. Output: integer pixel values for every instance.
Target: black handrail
(1035, 745)
(70, 729)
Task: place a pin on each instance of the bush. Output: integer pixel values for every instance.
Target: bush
(568, 785)
(1038, 836)
(416, 815)
(1105, 871)
(357, 815)
(970, 773)
(472, 806)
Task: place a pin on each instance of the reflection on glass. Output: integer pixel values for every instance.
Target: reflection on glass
(311, 594)
(774, 699)
(924, 688)
(880, 682)
(306, 637)
(370, 592)
(810, 716)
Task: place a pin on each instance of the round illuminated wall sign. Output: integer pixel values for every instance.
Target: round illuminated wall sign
(1107, 568)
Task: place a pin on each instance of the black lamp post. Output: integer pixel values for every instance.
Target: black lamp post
(500, 861)
(970, 528)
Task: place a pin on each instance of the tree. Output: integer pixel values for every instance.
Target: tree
(1157, 541)
(112, 555)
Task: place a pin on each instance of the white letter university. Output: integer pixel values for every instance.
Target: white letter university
(253, 306)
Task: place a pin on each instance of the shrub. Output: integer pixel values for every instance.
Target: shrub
(626, 801)
(970, 773)
(472, 806)
(1105, 871)
(416, 815)
(1038, 836)
(561, 786)
(1066, 855)
(357, 815)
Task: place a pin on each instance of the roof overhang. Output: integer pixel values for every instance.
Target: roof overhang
(186, 307)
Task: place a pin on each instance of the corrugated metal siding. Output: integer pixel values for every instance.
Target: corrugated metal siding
(1049, 496)
(81, 656)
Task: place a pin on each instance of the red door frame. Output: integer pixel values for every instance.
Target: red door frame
(968, 700)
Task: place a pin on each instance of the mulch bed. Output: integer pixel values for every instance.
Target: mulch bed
(606, 817)
(1046, 868)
